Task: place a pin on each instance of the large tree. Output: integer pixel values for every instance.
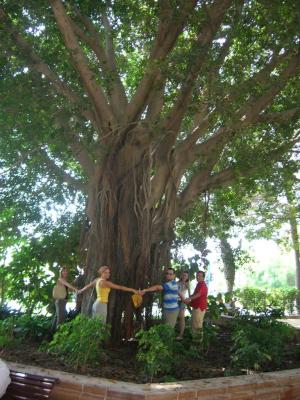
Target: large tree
(143, 106)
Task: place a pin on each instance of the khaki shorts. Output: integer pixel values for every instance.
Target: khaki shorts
(197, 319)
(170, 317)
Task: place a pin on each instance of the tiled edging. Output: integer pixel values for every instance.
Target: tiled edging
(282, 385)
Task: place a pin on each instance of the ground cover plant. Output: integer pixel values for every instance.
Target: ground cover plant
(80, 342)
(259, 341)
(249, 343)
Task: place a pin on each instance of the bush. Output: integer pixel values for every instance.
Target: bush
(80, 341)
(7, 338)
(32, 328)
(253, 299)
(156, 350)
(215, 307)
(259, 341)
(24, 328)
(259, 300)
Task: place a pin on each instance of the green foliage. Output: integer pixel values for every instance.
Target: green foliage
(7, 338)
(28, 277)
(277, 273)
(32, 327)
(259, 300)
(24, 328)
(259, 341)
(80, 342)
(156, 350)
(160, 354)
(209, 337)
(215, 307)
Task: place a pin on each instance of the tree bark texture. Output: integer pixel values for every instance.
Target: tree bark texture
(121, 236)
(228, 263)
(296, 248)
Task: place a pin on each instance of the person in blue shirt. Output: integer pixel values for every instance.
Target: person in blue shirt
(170, 297)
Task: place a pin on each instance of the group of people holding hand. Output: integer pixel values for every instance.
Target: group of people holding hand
(176, 297)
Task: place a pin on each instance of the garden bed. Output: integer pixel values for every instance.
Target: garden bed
(120, 362)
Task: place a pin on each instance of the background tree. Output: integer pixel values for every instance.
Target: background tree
(276, 207)
(120, 99)
(220, 219)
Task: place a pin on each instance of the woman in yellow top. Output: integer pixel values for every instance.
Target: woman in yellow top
(103, 287)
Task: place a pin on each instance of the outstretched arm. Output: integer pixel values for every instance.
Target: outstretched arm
(89, 285)
(155, 288)
(120, 287)
(65, 283)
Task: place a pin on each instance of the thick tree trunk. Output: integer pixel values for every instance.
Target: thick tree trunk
(120, 236)
(229, 263)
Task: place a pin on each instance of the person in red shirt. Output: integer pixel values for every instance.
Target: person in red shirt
(198, 302)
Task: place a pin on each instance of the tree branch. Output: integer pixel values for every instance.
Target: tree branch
(106, 60)
(244, 117)
(94, 91)
(38, 65)
(78, 149)
(167, 34)
(210, 150)
(260, 78)
(173, 121)
(63, 175)
(282, 116)
(199, 183)
(80, 154)
(155, 104)
(216, 14)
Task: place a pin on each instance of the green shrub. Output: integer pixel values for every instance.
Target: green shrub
(259, 341)
(32, 327)
(215, 307)
(253, 299)
(259, 300)
(80, 341)
(210, 333)
(25, 328)
(156, 350)
(7, 338)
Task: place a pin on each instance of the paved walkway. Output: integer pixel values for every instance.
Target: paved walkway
(294, 322)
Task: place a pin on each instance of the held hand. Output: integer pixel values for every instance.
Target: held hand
(187, 301)
(142, 292)
(135, 291)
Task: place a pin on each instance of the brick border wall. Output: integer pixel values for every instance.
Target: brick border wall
(282, 385)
